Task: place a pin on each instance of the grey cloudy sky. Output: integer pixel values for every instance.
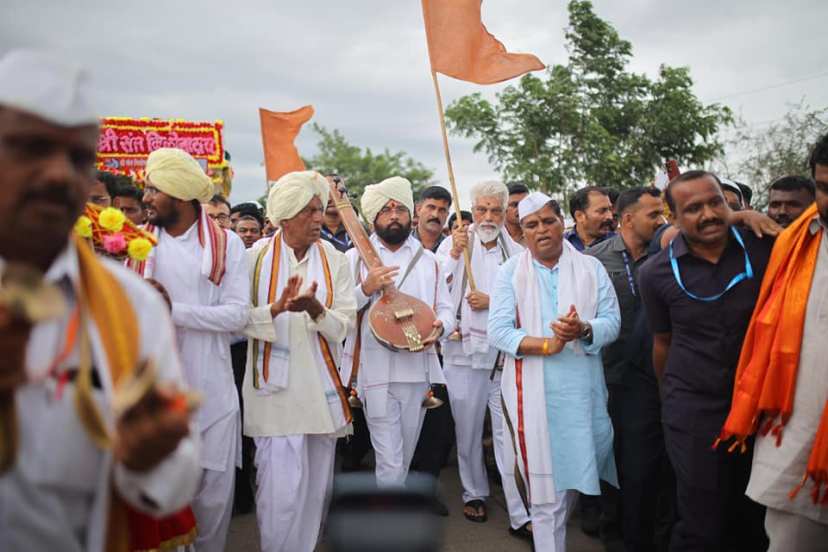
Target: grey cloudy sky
(363, 64)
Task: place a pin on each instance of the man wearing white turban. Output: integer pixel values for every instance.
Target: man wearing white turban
(294, 404)
(551, 312)
(202, 268)
(392, 385)
(64, 453)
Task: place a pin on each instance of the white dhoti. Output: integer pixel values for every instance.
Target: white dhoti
(471, 391)
(394, 435)
(213, 504)
(294, 479)
(549, 522)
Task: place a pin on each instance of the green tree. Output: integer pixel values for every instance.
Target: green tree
(362, 167)
(591, 120)
(759, 154)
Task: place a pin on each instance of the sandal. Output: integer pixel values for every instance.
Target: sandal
(480, 514)
(523, 532)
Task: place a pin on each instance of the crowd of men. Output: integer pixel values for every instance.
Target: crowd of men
(662, 362)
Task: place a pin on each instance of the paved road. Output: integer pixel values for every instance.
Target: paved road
(461, 535)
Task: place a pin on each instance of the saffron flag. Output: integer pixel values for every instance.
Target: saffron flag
(278, 132)
(460, 46)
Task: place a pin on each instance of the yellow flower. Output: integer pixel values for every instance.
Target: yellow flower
(139, 249)
(111, 219)
(83, 227)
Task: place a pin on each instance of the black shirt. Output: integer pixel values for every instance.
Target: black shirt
(611, 253)
(706, 335)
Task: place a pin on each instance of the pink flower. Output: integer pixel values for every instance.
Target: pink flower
(114, 243)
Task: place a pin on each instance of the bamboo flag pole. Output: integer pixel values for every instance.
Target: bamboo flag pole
(454, 194)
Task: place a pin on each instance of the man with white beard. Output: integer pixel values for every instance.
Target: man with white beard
(472, 366)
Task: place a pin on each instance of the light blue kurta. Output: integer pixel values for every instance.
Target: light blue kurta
(576, 394)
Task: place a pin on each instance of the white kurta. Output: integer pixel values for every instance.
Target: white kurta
(309, 404)
(56, 497)
(472, 386)
(380, 366)
(392, 384)
(206, 316)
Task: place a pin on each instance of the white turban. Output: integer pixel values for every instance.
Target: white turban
(46, 86)
(177, 174)
(292, 193)
(532, 203)
(377, 195)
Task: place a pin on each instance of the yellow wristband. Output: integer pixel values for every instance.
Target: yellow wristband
(545, 347)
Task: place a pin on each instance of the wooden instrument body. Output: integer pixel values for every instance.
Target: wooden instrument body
(394, 327)
(397, 320)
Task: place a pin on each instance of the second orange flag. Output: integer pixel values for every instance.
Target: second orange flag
(278, 132)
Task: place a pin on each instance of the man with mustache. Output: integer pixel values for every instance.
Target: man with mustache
(591, 209)
(552, 311)
(294, 403)
(789, 197)
(517, 192)
(393, 384)
(699, 293)
(634, 405)
(472, 366)
(437, 434)
(201, 265)
(433, 211)
(65, 451)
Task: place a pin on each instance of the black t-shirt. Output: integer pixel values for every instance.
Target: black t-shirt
(706, 335)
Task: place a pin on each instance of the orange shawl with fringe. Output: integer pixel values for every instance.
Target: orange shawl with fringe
(768, 365)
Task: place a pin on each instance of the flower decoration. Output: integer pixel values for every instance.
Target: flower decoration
(83, 227)
(114, 244)
(139, 249)
(111, 219)
(113, 235)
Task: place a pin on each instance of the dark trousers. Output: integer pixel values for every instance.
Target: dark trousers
(436, 437)
(714, 515)
(645, 505)
(245, 496)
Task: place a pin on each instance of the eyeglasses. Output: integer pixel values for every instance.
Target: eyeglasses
(221, 217)
(399, 210)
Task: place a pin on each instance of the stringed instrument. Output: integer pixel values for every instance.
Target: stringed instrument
(397, 320)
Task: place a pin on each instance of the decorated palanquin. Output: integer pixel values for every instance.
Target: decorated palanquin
(125, 143)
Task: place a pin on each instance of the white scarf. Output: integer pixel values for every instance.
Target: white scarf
(577, 285)
(213, 240)
(474, 324)
(272, 360)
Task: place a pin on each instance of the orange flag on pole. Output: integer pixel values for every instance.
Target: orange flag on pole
(278, 132)
(460, 46)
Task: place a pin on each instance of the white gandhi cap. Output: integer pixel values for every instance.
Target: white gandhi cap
(532, 203)
(46, 86)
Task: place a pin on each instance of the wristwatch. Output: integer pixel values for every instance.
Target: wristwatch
(586, 332)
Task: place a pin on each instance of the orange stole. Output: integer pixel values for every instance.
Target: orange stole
(333, 373)
(117, 325)
(769, 361)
